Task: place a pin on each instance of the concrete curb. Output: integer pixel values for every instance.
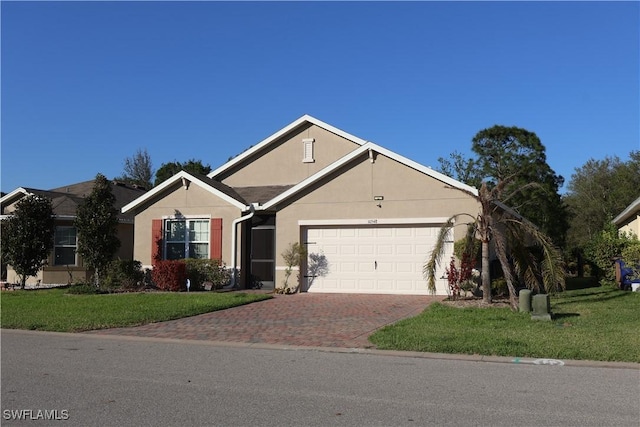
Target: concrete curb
(368, 351)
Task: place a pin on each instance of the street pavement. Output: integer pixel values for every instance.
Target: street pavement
(116, 380)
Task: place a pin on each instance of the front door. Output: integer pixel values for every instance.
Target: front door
(263, 260)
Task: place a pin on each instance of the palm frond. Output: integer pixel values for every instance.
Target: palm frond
(435, 258)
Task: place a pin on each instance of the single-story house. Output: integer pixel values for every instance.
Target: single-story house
(368, 217)
(65, 265)
(629, 219)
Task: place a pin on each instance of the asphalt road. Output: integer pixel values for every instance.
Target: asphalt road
(87, 380)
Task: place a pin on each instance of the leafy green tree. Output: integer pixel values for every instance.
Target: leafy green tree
(138, 169)
(597, 192)
(27, 236)
(97, 225)
(167, 170)
(517, 157)
(512, 164)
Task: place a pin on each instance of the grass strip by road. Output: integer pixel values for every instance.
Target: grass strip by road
(588, 324)
(56, 310)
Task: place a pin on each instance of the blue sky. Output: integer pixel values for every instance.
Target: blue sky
(87, 84)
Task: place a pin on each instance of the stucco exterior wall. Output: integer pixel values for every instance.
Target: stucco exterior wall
(61, 274)
(631, 226)
(350, 194)
(283, 164)
(194, 202)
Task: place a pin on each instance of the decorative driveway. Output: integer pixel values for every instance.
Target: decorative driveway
(316, 320)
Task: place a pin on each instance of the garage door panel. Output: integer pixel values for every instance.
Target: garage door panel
(376, 259)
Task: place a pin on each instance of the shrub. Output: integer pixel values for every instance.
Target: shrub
(293, 256)
(170, 275)
(499, 287)
(201, 271)
(123, 274)
(604, 248)
(83, 288)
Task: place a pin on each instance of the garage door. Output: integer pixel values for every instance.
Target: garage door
(366, 259)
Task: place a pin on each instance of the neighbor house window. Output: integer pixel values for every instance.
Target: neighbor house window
(307, 150)
(65, 244)
(186, 238)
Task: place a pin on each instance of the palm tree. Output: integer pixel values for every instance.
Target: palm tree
(522, 249)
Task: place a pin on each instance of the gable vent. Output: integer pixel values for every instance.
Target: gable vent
(307, 150)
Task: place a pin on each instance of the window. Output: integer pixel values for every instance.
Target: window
(307, 150)
(64, 247)
(186, 238)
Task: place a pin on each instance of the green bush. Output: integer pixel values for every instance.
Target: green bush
(123, 274)
(499, 287)
(82, 288)
(201, 271)
(604, 248)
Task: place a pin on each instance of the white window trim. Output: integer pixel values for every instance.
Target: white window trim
(307, 150)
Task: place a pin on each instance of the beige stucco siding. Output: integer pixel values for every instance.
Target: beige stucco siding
(349, 194)
(631, 225)
(282, 164)
(192, 202)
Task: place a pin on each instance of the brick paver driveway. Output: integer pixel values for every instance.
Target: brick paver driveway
(318, 320)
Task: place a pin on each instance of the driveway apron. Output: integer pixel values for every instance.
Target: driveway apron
(317, 320)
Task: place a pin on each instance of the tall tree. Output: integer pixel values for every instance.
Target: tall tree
(516, 156)
(597, 192)
(512, 163)
(27, 236)
(138, 169)
(167, 170)
(97, 225)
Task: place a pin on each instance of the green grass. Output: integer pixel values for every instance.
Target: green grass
(589, 324)
(56, 310)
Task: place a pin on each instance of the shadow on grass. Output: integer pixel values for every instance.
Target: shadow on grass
(595, 297)
(560, 316)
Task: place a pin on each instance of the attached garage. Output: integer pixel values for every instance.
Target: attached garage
(372, 258)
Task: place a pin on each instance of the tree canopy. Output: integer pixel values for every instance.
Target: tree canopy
(97, 225)
(597, 192)
(167, 170)
(27, 236)
(512, 161)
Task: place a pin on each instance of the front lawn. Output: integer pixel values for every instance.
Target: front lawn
(56, 310)
(590, 324)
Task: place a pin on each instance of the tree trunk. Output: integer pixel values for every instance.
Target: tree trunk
(484, 275)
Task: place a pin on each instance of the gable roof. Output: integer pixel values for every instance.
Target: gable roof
(216, 188)
(369, 146)
(65, 200)
(306, 119)
(632, 209)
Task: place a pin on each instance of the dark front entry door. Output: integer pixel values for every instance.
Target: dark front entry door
(263, 260)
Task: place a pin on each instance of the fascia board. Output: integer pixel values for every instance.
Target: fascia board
(306, 118)
(625, 214)
(175, 178)
(7, 198)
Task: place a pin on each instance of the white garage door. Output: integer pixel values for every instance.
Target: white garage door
(380, 259)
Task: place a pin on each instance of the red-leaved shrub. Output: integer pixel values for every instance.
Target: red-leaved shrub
(169, 275)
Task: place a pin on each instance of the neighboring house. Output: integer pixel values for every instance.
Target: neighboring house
(64, 264)
(369, 216)
(629, 219)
